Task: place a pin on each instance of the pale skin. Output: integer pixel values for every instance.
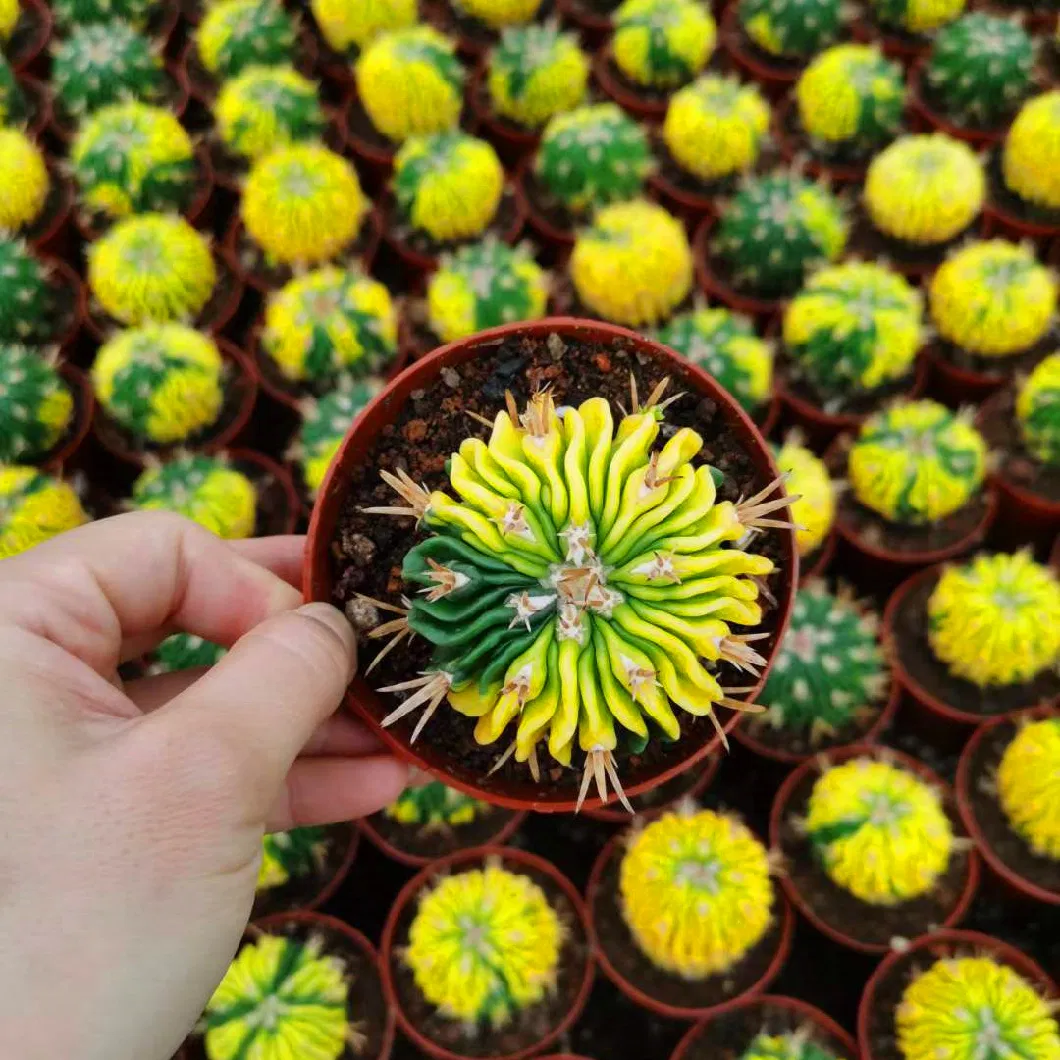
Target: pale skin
(131, 817)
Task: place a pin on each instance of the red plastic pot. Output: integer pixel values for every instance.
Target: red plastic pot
(719, 290)
(516, 861)
(999, 220)
(513, 142)
(563, 1056)
(937, 945)
(29, 54)
(68, 279)
(84, 407)
(933, 121)
(956, 385)
(260, 466)
(905, 50)
(559, 240)
(375, 160)
(690, 206)
(593, 26)
(634, 103)
(791, 148)
(382, 410)
(39, 106)
(822, 561)
(774, 77)
(52, 234)
(509, 826)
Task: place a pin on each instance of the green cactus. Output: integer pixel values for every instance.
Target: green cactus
(288, 855)
(35, 404)
(435, 807)
(325, 423)
(792, 1046)
(791, 29)
(26, 308)
(1038, 411)
(916, 16)
(12, 101)
(237, 34)
(70, 14)
(662, 43)
(183, 651)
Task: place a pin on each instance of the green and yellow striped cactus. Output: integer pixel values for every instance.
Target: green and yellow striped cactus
(497, 14)
(916, 16)
(1030, 159)
(448, 185)
(916, 462)
(993, 298)
(1038, 411)
(266, 107)
(535, 73)
(287, 855)
(970, 1007)
(151, 267)
(411, 83)
(814, 512)
(776, 230)
(716, 126)
(725, 345)
(10, 13)
(433, 807)
(662, 43)
(12, 99)
(483, 285)
(791, 29)
(133, 158)
(484, 945)
(996, 620)
(162, 382)
(924, 189)
(324, 425)
(795, 1045)
(695, 892)
(33, 508)
(633, 264)
(1028, 785)
(593, 156)
(853, 327)
(576, 609)
(24, 178)
(69, 14)
(185, 651)
(303, 204)
(237, 34)
(851, 97)
(347, 27)
(280, 998)
(36, 406)
(25, 294)
(205, 489)
(879, 830)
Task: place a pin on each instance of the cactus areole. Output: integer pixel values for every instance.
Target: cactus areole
(580, 583)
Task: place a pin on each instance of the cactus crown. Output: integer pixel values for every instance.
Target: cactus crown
(347, 26)
(1030, 160)
(996, 620)
(266, 107)
(972, 1007)
(202, 488)
(34, 507)
(279, 997)
(795, 1045)
(483, 285)
(853, 327)
(12, 100)
(1038, 411)
(795, 29)
(71, 14)
(237, 34)
(497, 14)
(288, 855)
(924, 189)
(328, 324)
(662, 43)
(434, 806)
(711, 875)
(24, 178)
(814, 511)
(324, 425)
(916, 16)
(184, 651)
(98, 65)
(535, 73)
(484, 944)
(132, 158)
(777, 229)
(592, 156)
(303, 204)
(916, 462)
(1028, 785)
(993, 298)
(151, 267)
(448, 185)
(25, 295)
(36, 406)
(725, 344)
(880, 832)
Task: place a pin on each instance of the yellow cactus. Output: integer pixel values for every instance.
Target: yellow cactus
(814, 512)
(347, 26)
(433, 807)
(1028, 785)
(500, 13)
(633, 265)
(10, 12)
(236, 34)
(1038, 410)
(288, 855)
(24, 178)
(880, 831)
(917, 16)
(662, 42)
(924, 189)
(695, 892)
(1030, 160)
(996, 620)
(33, 508)
(484, 944)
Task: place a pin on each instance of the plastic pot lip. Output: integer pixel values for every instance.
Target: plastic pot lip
(419, 861)
(981, 384)
(952, 938)
(629, 101)
(825, 555)
(77, 382)
(46, 27)
(70, 279)
(1013, 227)
(268, 466)
(516, 859)
(317, 580)
(44, 240)
(836, 757)
(382, 158)
(963, 790)
(976, 138)
(720, 291)
(41, 95)
(558, 237)
(809, 1013)
(763, 73)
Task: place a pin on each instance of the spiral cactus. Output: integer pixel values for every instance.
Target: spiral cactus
(185, 651)
(24, 178)
(662, 43)
(1028, 786)
(916, 462)
(33, 508)
(435, 808)
(36, 406)
(993, 299)
(791, 29)
(796, 1045)
(237, 34)
(152, 267)
(916, 16)
(715, 127)
(303, 205)
(484, 945)
(26, 308)
(725, 345)
(776, 230)
(286, 856)
(972, 1007)
(924, 189)
(1038, 411)
(1030, 160)
(324, 425)
(448, 185)
(814, 511)
(709, 874)
(12, 99)
(593, 156)
(535, 73)
(484, 285)
(349, 27)
(70, 14)
(498, 14)
(132, 158)
(411, 83)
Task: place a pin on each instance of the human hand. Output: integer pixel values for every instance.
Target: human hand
(131, 818)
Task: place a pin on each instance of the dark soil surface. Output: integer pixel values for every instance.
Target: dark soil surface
(1002, 368)
(1011, 203)
(1001, 430)
(920, 259)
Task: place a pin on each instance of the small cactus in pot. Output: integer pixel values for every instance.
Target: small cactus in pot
(71, 14)
(1030, 158)
(237, 34)
(433, 807)
(915, 16)
(13, 107)
(662, 43)
(33, 508)
(36, 406)
(813, 513)
(10, 13)
(791, 29)
(795, 1045)
(325, 422)
(498, 14)
(348, 28)
(288, 855)
(1038, 411)
(1028, 786)
(25, 180)
(26, 297)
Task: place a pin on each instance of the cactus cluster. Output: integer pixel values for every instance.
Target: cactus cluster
(1038, 411)
(12, 98)
(1028, 785)
(287, 855)
(349, 27)
(25, 293)
(324, 425)
(662, 43)
(33, 508)
(237, 34)
(916, 16)
(484, 945)
(695, 892)
(924, 189)
(791, 29)
(433, 807)
(483, 285)
(776, 230)
(916, 462)
(813, 513)
(996, 620)
(448, 185)
(497, 14)
(36, 406)
(535, 73)
(70, 14)
(24, 178)
(1030, 159)
(185, 651)
(795, 1045)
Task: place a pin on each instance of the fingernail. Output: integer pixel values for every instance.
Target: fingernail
(335, 621)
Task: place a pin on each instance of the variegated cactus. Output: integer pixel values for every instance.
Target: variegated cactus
(325, 423)
(25, 179)
(26, 303)
(237, 34)
(34, 507)
(36, 406)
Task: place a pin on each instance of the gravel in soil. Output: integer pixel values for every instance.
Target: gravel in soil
(1018, 466)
